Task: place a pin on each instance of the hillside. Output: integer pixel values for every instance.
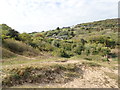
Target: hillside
(84, 28)
(61, 55)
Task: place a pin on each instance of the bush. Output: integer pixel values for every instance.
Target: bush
(56, 43)
(87, 52)
(25, 38)
(105, 51)
(79, 49)
(62, 53)
(66, 46)
(88, 49)
(48, 47)
(107, 41)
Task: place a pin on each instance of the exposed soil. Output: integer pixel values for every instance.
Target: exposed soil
(91, 77)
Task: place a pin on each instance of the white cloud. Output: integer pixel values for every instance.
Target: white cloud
(38, 15)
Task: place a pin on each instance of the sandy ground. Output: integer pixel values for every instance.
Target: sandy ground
(92, 78)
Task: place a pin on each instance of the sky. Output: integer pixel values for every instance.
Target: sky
(42, 15)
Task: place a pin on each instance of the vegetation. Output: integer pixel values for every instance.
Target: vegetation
(96, 38)
(39, 57)
(40, 74)
(6, 53)
(20, 48)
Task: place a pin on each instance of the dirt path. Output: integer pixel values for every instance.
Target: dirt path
(25, 57)
(92, 79)
(44, 62)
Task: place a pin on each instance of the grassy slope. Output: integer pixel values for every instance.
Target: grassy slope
(12, 47)
(6, 53)
(104, 26)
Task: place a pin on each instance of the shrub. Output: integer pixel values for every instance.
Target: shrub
(105, 51)
(62, 53)
(48, 47)
(87, 52)
(66, 46)
(25, 38)
(88, 49)
(79, 49)
(56, 43)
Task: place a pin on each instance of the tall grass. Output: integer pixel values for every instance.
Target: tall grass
(6, 53)
(20, 48)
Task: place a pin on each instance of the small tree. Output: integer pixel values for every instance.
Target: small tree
(57, 28)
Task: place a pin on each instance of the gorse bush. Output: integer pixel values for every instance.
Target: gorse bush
(105, 51)
(47, 47)
(79, 48)
(102, 39)
(25, 38)
(66, 46)
(62, 53)
(56, 43)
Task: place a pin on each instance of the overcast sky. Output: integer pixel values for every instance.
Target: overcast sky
(39, 15)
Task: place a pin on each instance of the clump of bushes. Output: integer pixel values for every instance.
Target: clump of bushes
(62, 53)
(78, 49)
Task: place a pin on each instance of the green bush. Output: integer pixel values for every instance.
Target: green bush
(66, 46)
(105, 51)
(25, 38)
(56, 43)
(79, 49)
(48, 47)
(62, 53)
